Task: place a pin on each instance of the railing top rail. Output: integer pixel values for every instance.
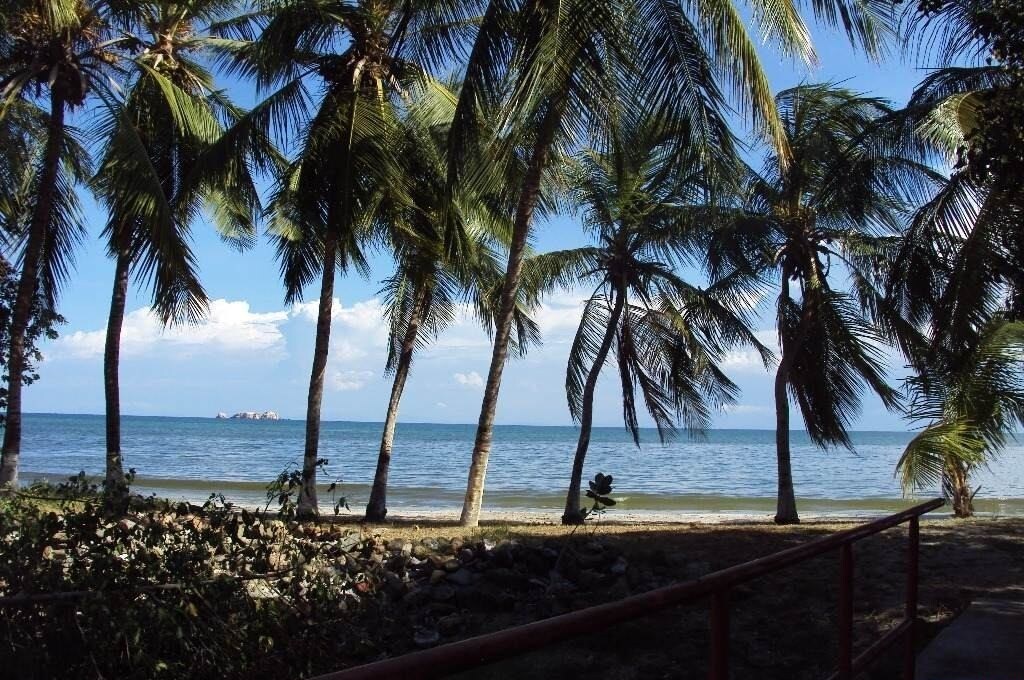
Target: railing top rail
(483, 649)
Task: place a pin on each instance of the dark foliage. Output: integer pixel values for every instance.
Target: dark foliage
(43, 325)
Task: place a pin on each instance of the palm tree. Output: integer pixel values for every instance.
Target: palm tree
(972, 404)
(365, 55)
(552, 69)
(842, 198)
(62, 48)
(429, 285)
(958, 270)
(666, 334)
(156, 174)
(22, 139)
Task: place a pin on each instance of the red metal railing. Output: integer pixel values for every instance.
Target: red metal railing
(486, 649)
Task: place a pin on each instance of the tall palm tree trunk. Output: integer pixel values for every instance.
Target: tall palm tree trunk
(376, 508)
(27, 287)
(785, 512)
(572, 513)
(308, 504)
(115, 489)
(529, 196)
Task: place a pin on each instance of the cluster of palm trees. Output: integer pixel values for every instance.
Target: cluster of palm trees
(441, 129)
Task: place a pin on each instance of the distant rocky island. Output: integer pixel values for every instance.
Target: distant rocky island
(250, 415)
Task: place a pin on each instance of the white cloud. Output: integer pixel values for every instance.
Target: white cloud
(441, 404)
(746, 360)
(472, 380)
(349, 381)
(230, 327)
(745, 409)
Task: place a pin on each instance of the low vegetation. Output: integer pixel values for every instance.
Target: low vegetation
(181, 591)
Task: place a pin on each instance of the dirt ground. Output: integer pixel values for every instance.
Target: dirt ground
(784, 625)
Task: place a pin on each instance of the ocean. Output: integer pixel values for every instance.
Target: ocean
(727, 471)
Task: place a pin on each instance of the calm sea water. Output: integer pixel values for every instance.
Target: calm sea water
(728, 471)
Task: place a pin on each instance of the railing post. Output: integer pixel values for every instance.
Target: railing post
(719, 668)
(845, 613)
(913, 550)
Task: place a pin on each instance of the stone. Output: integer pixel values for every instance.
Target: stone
(417, 597)
(455, 545)
(426, 637)
(394, 583)
(503, 576)
(619, 566)
(406, 550)
(588, 578)
(452, 565)
(462, 577)
(448, 625)
(437, 576)
(421, 552)
(442, 593)
(126, 524)
(466, 556)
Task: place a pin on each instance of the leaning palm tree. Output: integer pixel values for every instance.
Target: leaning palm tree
(553, 68)
(54, 50)
(842, 198)
(430, 286)
(667, 335)
(365, 57)
(972, 403)
(161, 163)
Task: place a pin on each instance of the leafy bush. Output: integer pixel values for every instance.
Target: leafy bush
(170, 592)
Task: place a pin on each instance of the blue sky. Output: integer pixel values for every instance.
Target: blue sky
(254, 353)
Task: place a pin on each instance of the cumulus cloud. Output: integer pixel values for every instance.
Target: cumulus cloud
(472, 380)
(747, 360)
(230, 326)
(745, 409)
(348, 381)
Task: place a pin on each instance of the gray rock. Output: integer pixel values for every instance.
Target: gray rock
(448, 625)
(426, 637)
(619, 567)
(417, 597)
(452, 565)
(406, 549)
(503, 576)
(437, 576)
(421, 551)
(466, 556)
(462, 577)
(442, 593)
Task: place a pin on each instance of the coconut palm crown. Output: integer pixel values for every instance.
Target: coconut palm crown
(667, 335)
(832, 212)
